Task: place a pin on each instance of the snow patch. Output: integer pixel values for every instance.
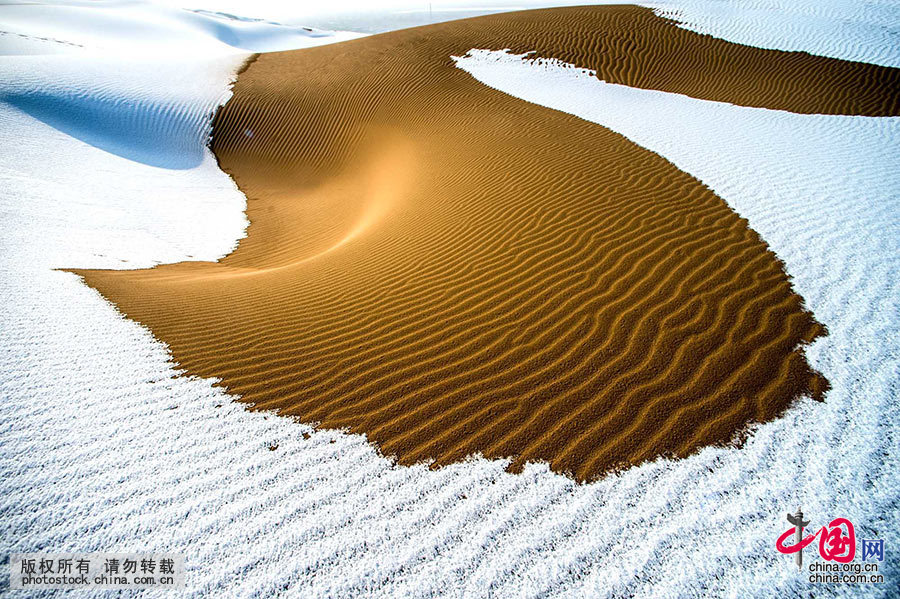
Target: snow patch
(862, 31)
(135, 28)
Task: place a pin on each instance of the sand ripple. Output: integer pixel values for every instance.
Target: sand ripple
(451, 271)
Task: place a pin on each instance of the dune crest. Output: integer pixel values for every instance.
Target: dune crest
(450, 270)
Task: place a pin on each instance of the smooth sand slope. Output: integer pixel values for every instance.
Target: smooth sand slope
(451, 270)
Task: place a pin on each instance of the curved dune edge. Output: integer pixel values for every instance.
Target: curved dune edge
(452, 271)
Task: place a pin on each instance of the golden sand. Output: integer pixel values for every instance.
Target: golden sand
(450, 270)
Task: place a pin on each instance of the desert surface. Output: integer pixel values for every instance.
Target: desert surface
(569, 301)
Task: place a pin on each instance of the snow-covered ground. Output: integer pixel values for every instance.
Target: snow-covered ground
(138, 27)
(104, 447)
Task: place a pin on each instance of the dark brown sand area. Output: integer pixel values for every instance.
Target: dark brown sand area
(450, 270)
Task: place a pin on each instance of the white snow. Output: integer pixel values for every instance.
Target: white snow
(104, 446)
(135, 27)
(858, 30)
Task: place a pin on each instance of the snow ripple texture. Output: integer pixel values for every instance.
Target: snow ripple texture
(862, 31)
(106, 446)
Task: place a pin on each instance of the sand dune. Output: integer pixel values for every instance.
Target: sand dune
(450, 270)
(105, 445)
